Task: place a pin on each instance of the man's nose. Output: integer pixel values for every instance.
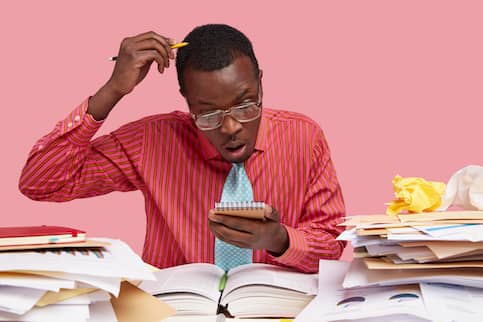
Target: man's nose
(230, 126)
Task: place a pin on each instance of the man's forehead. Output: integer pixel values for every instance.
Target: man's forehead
(234, 80)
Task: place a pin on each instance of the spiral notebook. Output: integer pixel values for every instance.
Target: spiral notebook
(247, 209)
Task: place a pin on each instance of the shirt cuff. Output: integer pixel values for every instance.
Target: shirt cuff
(297, 247)
(79, 126)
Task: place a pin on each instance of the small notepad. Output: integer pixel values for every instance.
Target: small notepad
(247, 209)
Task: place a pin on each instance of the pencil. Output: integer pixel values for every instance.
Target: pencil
(173, 46)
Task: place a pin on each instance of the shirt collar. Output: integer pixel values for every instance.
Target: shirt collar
(209, 152)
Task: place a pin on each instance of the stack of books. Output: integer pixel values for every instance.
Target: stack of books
(56, 274)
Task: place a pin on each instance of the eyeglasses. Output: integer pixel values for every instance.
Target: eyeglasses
(243, 113)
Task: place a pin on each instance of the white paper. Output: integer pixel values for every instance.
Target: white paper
(109, 284)
(102, 312)
(469, 232)
(376, 302)
(117, 261)
(474, 235)
(465, 189)
(351, 236)
(89, 298)
(18, 300)
(365, 304)
(35, 281)
(331, 275)
(51, 313)
(453, 303)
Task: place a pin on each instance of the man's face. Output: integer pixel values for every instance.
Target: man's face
(235, 84)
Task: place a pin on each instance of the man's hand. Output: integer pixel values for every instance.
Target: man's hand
(132, 65)
(136, 56)
(266, 234)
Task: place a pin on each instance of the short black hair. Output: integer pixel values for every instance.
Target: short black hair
(212, 47)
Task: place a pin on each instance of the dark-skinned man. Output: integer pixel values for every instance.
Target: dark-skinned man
(229, 147)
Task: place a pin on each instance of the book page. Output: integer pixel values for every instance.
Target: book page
(271, 275)
(199, 278)
(265, 301)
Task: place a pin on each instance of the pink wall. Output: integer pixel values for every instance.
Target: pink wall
(397, 86)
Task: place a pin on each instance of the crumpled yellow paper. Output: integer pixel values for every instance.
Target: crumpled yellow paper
(415, 195)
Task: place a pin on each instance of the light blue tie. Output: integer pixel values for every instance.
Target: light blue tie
(237, 188)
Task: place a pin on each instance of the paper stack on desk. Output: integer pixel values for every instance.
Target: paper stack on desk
(73, 283)
(409, 302)
(442, 247)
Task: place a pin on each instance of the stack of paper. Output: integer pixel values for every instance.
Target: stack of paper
(442, 247)
(74, 283)
(410, 303)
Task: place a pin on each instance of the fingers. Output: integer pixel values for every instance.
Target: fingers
(271, 213)
(228, 235)
(165, 41)
(152, 44)
(247, 233)
(236, 223)
(147, 56)
(142, 46)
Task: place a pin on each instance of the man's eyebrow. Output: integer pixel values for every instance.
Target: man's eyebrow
(241, 95)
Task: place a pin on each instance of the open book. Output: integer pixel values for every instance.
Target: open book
(252, 290)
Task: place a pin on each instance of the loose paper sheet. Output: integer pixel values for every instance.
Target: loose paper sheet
(134, 305)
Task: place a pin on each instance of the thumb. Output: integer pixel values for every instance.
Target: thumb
(271, 213)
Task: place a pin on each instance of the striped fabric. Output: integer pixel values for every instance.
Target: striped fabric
(181, 177)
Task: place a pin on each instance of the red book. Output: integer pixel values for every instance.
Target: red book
(34, 235)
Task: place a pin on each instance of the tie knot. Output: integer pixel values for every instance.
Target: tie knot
(239, 171)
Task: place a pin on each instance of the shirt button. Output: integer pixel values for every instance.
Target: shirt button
(77, 118)
(69, 124)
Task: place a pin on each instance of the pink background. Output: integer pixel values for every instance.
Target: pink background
(396, 85)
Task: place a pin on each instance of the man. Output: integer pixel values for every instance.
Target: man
(228, 146)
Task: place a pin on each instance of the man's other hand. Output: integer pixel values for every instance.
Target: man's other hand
(266, 234)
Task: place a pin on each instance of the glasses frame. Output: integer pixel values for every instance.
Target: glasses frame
(228, 111)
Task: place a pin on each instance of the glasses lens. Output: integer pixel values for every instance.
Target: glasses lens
(210, 120)
(246, 113)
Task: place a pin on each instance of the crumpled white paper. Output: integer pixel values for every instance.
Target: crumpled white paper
(465, 189)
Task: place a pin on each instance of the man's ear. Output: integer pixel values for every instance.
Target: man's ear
(260, 75)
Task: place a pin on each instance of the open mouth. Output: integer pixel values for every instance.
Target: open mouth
(236, 150)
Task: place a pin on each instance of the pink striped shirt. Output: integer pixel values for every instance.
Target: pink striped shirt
(181, 176)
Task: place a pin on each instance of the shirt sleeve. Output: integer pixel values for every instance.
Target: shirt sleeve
(65, 164)
(315, 235)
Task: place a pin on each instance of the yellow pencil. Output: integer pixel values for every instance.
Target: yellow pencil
(179, 45)
(173, 46)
